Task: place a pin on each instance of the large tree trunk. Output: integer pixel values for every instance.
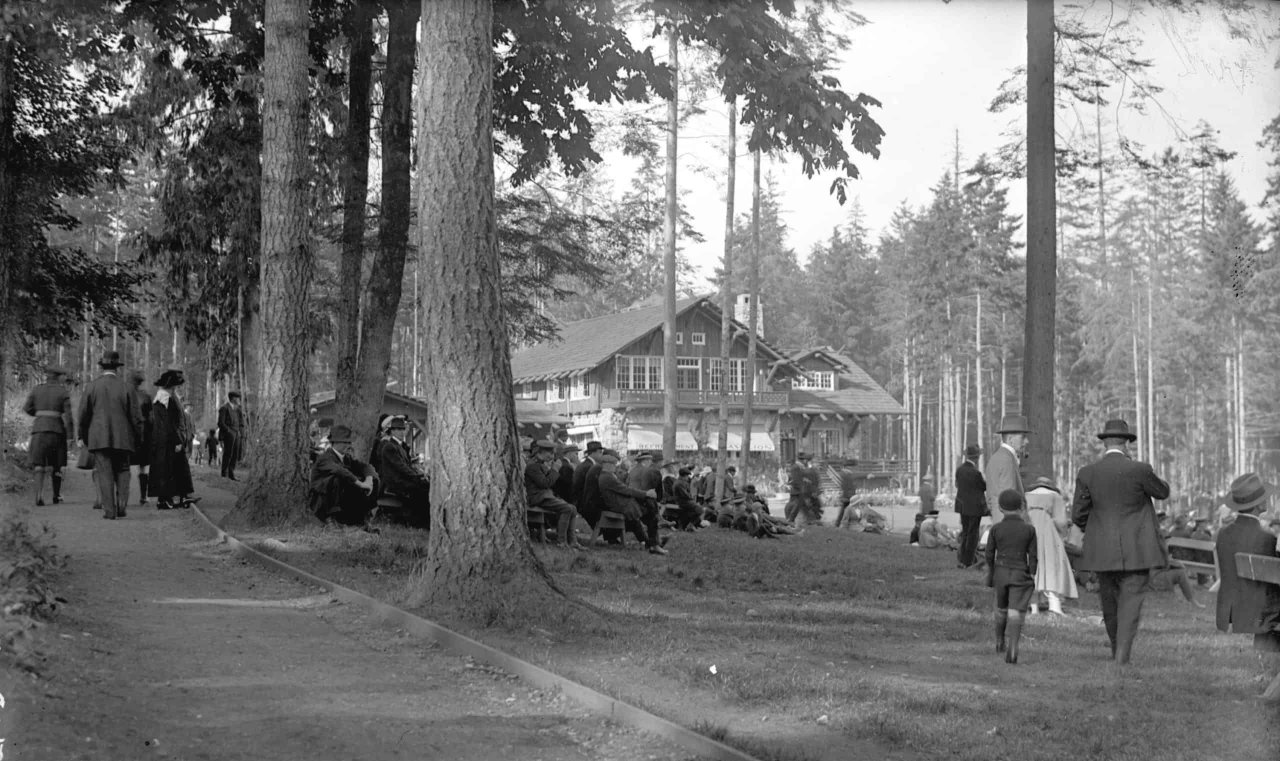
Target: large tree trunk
(382, 301)
(1042, 257)
(753, 293)
(479, 562)
(726, 304)
(670, 398)
(355, 197)
(8, 236)
(276, 492)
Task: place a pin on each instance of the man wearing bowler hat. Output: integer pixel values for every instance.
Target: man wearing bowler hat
(110, 426)
(343, 489)
(1243, 604)
(971, 503)
(1113, 506)
(1003, 467)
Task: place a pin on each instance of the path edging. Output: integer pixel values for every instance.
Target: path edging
(458, 644)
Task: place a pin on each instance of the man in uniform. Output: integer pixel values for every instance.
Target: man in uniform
(1003, 467)
(231, 433)
(1121, 532)
(50, 405)
(110, 426)
(971, 503)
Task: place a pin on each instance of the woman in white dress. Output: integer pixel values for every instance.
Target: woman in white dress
(1047, 511)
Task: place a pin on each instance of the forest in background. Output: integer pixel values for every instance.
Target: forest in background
(1167, 286)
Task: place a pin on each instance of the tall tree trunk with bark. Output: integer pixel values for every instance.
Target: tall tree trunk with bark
(1042, 257)
(753, 293)
(276, 491)
(382, 301)
(8, 237)
(726, 304)
(671, 397)
(355, 198)
(479, 562)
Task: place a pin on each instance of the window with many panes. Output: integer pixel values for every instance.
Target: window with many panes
(699, 339)
(737, 374)
(638, 373)
(689, 373)
(526, 391)
(558, 389)
(818, 380)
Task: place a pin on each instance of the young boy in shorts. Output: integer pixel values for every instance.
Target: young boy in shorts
(1011, 571)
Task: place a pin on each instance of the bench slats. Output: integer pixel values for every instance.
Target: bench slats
(1258, 567)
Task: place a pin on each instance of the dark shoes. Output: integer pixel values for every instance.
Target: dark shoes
(39, 502)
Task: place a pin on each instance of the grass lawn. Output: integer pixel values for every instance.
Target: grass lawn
(839, 645)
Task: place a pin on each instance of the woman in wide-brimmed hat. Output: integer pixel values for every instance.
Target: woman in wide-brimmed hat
(171, 434)
(1047, 513)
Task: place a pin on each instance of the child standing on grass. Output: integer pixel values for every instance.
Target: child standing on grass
(1011, 571)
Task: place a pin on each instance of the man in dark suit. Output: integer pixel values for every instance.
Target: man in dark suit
(971, 504)
(589, 460)
(1121, 532)
(1004, 467)
(110, 425)
(342, 487)
(1244, 603)
(231, 433)
(540, 476)
(400, 478)
(620, 498)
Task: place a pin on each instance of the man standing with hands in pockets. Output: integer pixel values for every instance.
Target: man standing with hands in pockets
(1121, 532)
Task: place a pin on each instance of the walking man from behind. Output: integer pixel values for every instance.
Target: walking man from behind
(971, 503)
(231, 433)
(110, 426)
(1121, 532)
(50, 405)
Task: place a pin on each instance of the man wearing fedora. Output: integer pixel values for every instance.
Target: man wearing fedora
(231, 432)
(343, 489)
(399, 477)
(1003, 469)
(110, 426)
(50, 404)
(971, 503)
(1113, 506)
(1244, 604)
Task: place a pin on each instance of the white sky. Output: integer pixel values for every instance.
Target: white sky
(936, 67)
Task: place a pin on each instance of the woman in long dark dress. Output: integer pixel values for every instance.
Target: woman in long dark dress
(171, 435)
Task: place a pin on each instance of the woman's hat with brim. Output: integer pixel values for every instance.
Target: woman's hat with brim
(1117, 429)
(1045, 482)
(1247, 491)
(170, 378)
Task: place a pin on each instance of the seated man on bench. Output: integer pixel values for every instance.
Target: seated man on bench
(539, 483)
(342, 487)
(400, 479)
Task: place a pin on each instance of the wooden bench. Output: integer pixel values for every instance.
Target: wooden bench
(1266, 570)
(609, 520)
(536, 518)
(1198, 545)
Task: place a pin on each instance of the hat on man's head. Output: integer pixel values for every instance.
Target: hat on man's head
(340, 434)
(594, 446)
(608, 459)
(685, 472)
(750, 489)
(1117, 429)
(170, 378)
(932, 514)
(1010, 500)
(643, 456)
(971, 451)
(1247, 491)
(395, 423)
(731, 469)
(233, 395)
(569, 447)
(1013, 424)
(803, 456)
(110, 359)
(543, 444)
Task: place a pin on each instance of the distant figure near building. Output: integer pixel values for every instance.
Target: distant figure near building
(231, 433)
(1121, 532)
(110, 426)
(50, 405)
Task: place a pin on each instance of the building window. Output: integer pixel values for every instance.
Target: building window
(581, 388)
(689, 373)
(679, 338)
(558, 390)
(526, 391)
(639, 373)
(828, 443)
(818, 380)
(699, 339)
(737, 374)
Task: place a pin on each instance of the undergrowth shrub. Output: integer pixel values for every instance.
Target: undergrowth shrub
(28, 560)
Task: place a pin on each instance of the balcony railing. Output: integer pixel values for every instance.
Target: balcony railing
(693, 398)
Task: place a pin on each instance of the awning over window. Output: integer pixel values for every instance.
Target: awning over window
(649, 436)
(760, 440)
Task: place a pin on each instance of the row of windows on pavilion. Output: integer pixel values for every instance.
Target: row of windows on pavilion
(645, 373)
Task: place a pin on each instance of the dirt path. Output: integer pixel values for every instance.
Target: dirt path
(170, 647)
